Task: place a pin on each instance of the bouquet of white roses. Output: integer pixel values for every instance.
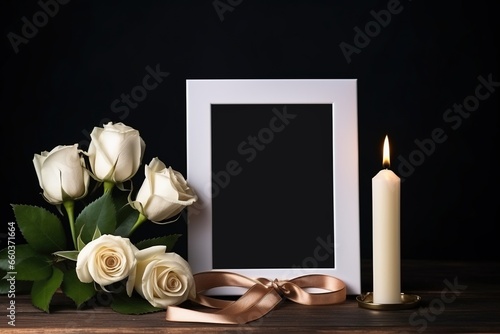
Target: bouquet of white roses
(91, 252)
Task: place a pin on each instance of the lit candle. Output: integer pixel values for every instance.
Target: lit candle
(386, 233)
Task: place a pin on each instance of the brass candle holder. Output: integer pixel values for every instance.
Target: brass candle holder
(408, 301)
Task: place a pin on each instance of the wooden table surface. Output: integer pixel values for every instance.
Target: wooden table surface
(457, 297)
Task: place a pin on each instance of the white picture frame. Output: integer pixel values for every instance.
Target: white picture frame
(341, 94)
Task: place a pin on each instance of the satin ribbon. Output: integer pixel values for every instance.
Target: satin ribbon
(260, 298)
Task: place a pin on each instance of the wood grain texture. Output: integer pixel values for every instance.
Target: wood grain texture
(457, 297)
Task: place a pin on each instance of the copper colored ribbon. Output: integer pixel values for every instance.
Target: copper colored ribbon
(260, 298)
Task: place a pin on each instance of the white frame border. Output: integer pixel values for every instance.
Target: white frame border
(342, 94)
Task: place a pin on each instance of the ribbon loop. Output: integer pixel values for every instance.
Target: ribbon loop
(261, 297)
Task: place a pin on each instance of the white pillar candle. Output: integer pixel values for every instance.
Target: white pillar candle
(386, 234)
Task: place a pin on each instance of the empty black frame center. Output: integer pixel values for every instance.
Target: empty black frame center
(272, 186)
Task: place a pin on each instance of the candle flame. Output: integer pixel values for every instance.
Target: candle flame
(386, 161)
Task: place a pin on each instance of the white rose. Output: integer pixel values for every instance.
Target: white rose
(115, 152)
(107, 260)
(163, 194)
(62, 174)
(163, 279)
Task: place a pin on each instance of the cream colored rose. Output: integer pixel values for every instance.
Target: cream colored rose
(62, 174)
(163, 194)
(115, 152)
(107, 260)
(163, 279)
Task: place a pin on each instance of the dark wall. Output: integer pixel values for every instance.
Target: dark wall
(427, 76)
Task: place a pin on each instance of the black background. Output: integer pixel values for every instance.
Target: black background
(62, 82)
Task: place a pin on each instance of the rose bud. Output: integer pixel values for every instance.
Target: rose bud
(163, 194)
(62, 174)
(115, 152)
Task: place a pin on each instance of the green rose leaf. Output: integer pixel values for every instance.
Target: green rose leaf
(132, 305)
(42, 229)
(100, 214)
(168, 240)
(120, 199)
(43, 290)
(79, 292)
(33, 269)
(10, 285)
(127, 216)
(69, 255)
(10, 257)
